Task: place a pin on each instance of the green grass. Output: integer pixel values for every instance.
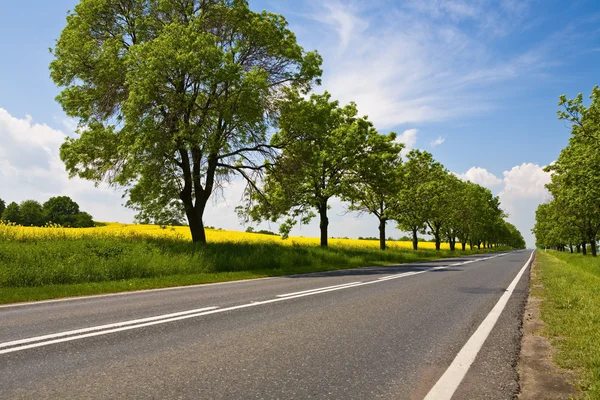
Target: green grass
(571, 311)
(46, 269)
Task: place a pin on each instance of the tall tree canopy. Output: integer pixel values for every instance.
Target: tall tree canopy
(374, 183)
(419, 173)
(573, 214)
(175, 96)
(322, 143)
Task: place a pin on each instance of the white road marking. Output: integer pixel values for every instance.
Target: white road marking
(39, 341)
(446, 386)
(318, 289)
(102, 327)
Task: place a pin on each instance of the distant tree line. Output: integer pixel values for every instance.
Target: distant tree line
(571, 218)
(61, 210)
(175, 98)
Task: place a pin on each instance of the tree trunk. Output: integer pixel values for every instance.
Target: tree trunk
(571, 248)
(578, 247)
(593, 247)
(584, 249)
(438, 242)
(324, 224)
(415, 239)
(471, 244)
(382, 233)
(194, 214)
(452, 244)
(464, 246)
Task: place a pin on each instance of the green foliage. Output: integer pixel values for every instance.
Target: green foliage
(61, 210)
(322, 143)
(31, 213)
(572, 217)
(83, 220)
(418, 189)
(12, 213)
(373, 184)
(2, 207)
(175, 97)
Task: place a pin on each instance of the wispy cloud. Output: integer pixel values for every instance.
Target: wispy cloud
(423, 61)
(438, 141)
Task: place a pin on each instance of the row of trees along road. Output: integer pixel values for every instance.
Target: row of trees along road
(61, 210)
(176, 98)
(572, 216)
(335, 153)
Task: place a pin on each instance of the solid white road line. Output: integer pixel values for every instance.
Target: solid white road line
(318, 289)
(102, 327)
(446, 386)
(163, 319)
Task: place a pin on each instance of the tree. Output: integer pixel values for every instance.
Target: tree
(31, 213)
(2, 207)
(417, 192)
(176, 96)
(61, 210)
(441, 187)
(372, 186)
(12, 213)
(321, 143)
(83, 220)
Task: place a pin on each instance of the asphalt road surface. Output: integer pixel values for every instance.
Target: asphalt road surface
(380, 332)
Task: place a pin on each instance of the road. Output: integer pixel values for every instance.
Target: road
(379, 332)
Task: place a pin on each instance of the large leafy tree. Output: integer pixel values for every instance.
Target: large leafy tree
(12, 213)
(419, 174)
(441, 187)
(2, 207)
(31, 213)
(61, 210)
(322, 143)
(575, 187)
(374, 184)
(175, 96)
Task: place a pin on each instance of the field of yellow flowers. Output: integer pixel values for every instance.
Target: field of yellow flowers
(182, 233)
(52, 262)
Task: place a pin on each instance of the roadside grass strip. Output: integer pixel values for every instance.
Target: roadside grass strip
(77, 334)
(570, 308)
(34, 269)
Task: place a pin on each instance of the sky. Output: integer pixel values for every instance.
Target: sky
(476, 83)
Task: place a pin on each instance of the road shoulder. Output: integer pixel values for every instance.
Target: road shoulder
(539, 376)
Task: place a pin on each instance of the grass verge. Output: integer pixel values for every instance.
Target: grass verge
(48, 269)
(571, 310)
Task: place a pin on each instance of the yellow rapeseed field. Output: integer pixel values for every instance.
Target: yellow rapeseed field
(130, 231)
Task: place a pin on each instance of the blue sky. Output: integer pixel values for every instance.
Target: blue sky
(482, 77)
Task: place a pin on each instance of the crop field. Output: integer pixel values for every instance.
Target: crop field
(53, 262)
(182, 233)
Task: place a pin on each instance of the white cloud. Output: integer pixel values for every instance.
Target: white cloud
(438, 141)
(521, 190)
(527, 181)
(408, 138)
(415, 63)
(30, 168)
(481, 176)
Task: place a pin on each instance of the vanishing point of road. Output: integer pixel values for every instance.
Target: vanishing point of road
(436, 330)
